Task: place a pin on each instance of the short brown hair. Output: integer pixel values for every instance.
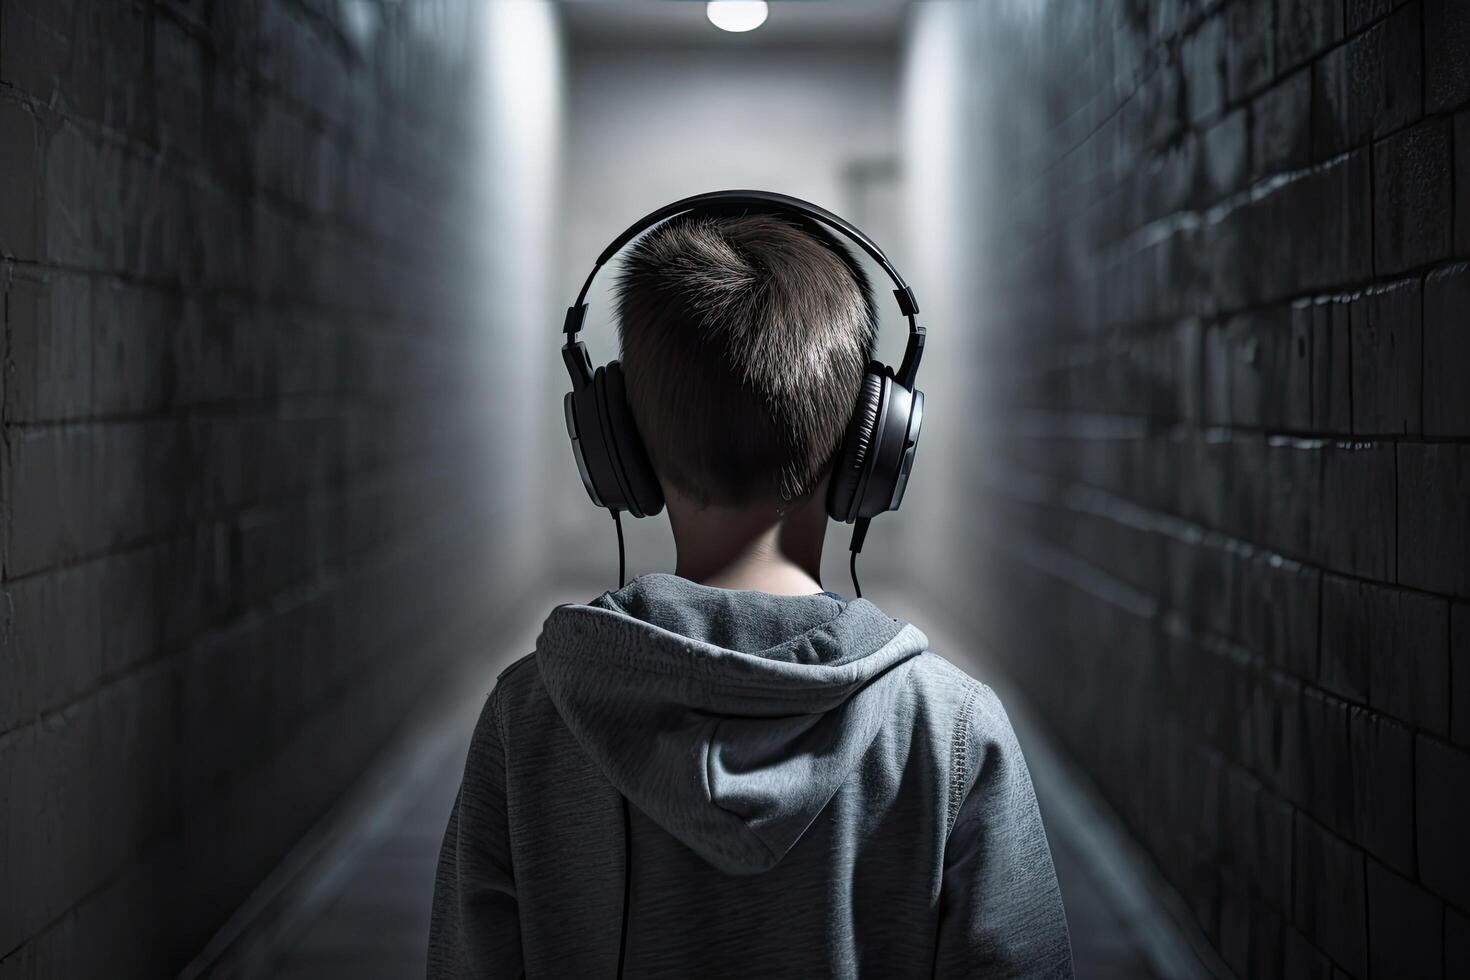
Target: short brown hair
(744, 343)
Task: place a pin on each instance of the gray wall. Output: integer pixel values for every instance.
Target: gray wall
(249, 483)
(1224, 458)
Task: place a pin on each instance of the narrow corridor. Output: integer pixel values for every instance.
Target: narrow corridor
(283, 447)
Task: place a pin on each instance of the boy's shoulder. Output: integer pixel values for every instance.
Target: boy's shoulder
(518, 682)
(977, 724)
(968, 709)
(942, 683)
(516, 667)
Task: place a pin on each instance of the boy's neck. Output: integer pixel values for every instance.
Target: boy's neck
(757, 549)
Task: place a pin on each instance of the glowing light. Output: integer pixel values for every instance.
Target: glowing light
(737, 16)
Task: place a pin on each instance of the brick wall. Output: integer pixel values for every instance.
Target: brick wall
(241, 518)
(1226, 464)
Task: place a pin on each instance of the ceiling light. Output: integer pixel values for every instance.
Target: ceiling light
(736, 15)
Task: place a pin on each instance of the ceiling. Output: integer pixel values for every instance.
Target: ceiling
(683, 22)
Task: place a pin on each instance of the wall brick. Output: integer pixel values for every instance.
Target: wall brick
(1279, 612)
(1305, 28)
(1267, 365)
(1275, 710)
(1434, 524)
(1218, 362)
(1203, 62)
(1462, 186)
(72, 766)
(1249, 53)
(1280, 499)
(1412, 197)
(1446, 351)
(1388, 647)
(1409, 664)
(1336, 233)
(134, 352)
(1234, 938)
(1387, 344)
(1281, 130)
(1354, 533)
(50, 354)
(53, 644)
(1405, 927)
(1331, 901)
(1383, 788)
(1331, 366)
(20, 192)
(1346, 652)
(1456, 944)
(1302, 959)
(1370, 86)
(1258, 834)
(1226, 154)
(180, 62)
(1442, 775)
(1336, 197)
(1460, 674)
(1317, 763)
(1447, 68)
(1361, 13)
(1267, 943)
(34, 49)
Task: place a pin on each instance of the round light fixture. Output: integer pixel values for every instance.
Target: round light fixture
(737, 16)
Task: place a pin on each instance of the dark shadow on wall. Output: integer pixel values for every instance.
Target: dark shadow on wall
(243, 528)
(1229, 458)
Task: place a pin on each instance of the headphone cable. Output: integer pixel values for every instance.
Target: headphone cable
(618, 522)
(859, 532)
(627, 881)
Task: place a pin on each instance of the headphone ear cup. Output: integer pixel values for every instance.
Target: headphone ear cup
(644, 494)
(855, 456)
(588, 430)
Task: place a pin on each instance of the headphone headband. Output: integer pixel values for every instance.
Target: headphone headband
(760, 201)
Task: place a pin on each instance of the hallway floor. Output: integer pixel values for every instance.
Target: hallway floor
(358, 906)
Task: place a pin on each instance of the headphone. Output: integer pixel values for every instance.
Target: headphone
(871, 469)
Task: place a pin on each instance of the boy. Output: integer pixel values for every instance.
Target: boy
(728, 771)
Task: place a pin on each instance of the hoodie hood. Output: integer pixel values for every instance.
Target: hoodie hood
(729, 718)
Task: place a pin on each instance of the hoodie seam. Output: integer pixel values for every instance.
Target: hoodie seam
(781, 689)
(825, 630)
(959, 762)
(521, 662)
(499, 725)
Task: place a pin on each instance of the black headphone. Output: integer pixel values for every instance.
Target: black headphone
(871, 469)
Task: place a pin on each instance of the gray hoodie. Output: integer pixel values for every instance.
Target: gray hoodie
(688, 781)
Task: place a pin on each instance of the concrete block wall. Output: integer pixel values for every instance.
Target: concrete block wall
(241, 517)
(1224, 455)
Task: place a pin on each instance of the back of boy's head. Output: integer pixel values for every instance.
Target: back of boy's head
(744, 339)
